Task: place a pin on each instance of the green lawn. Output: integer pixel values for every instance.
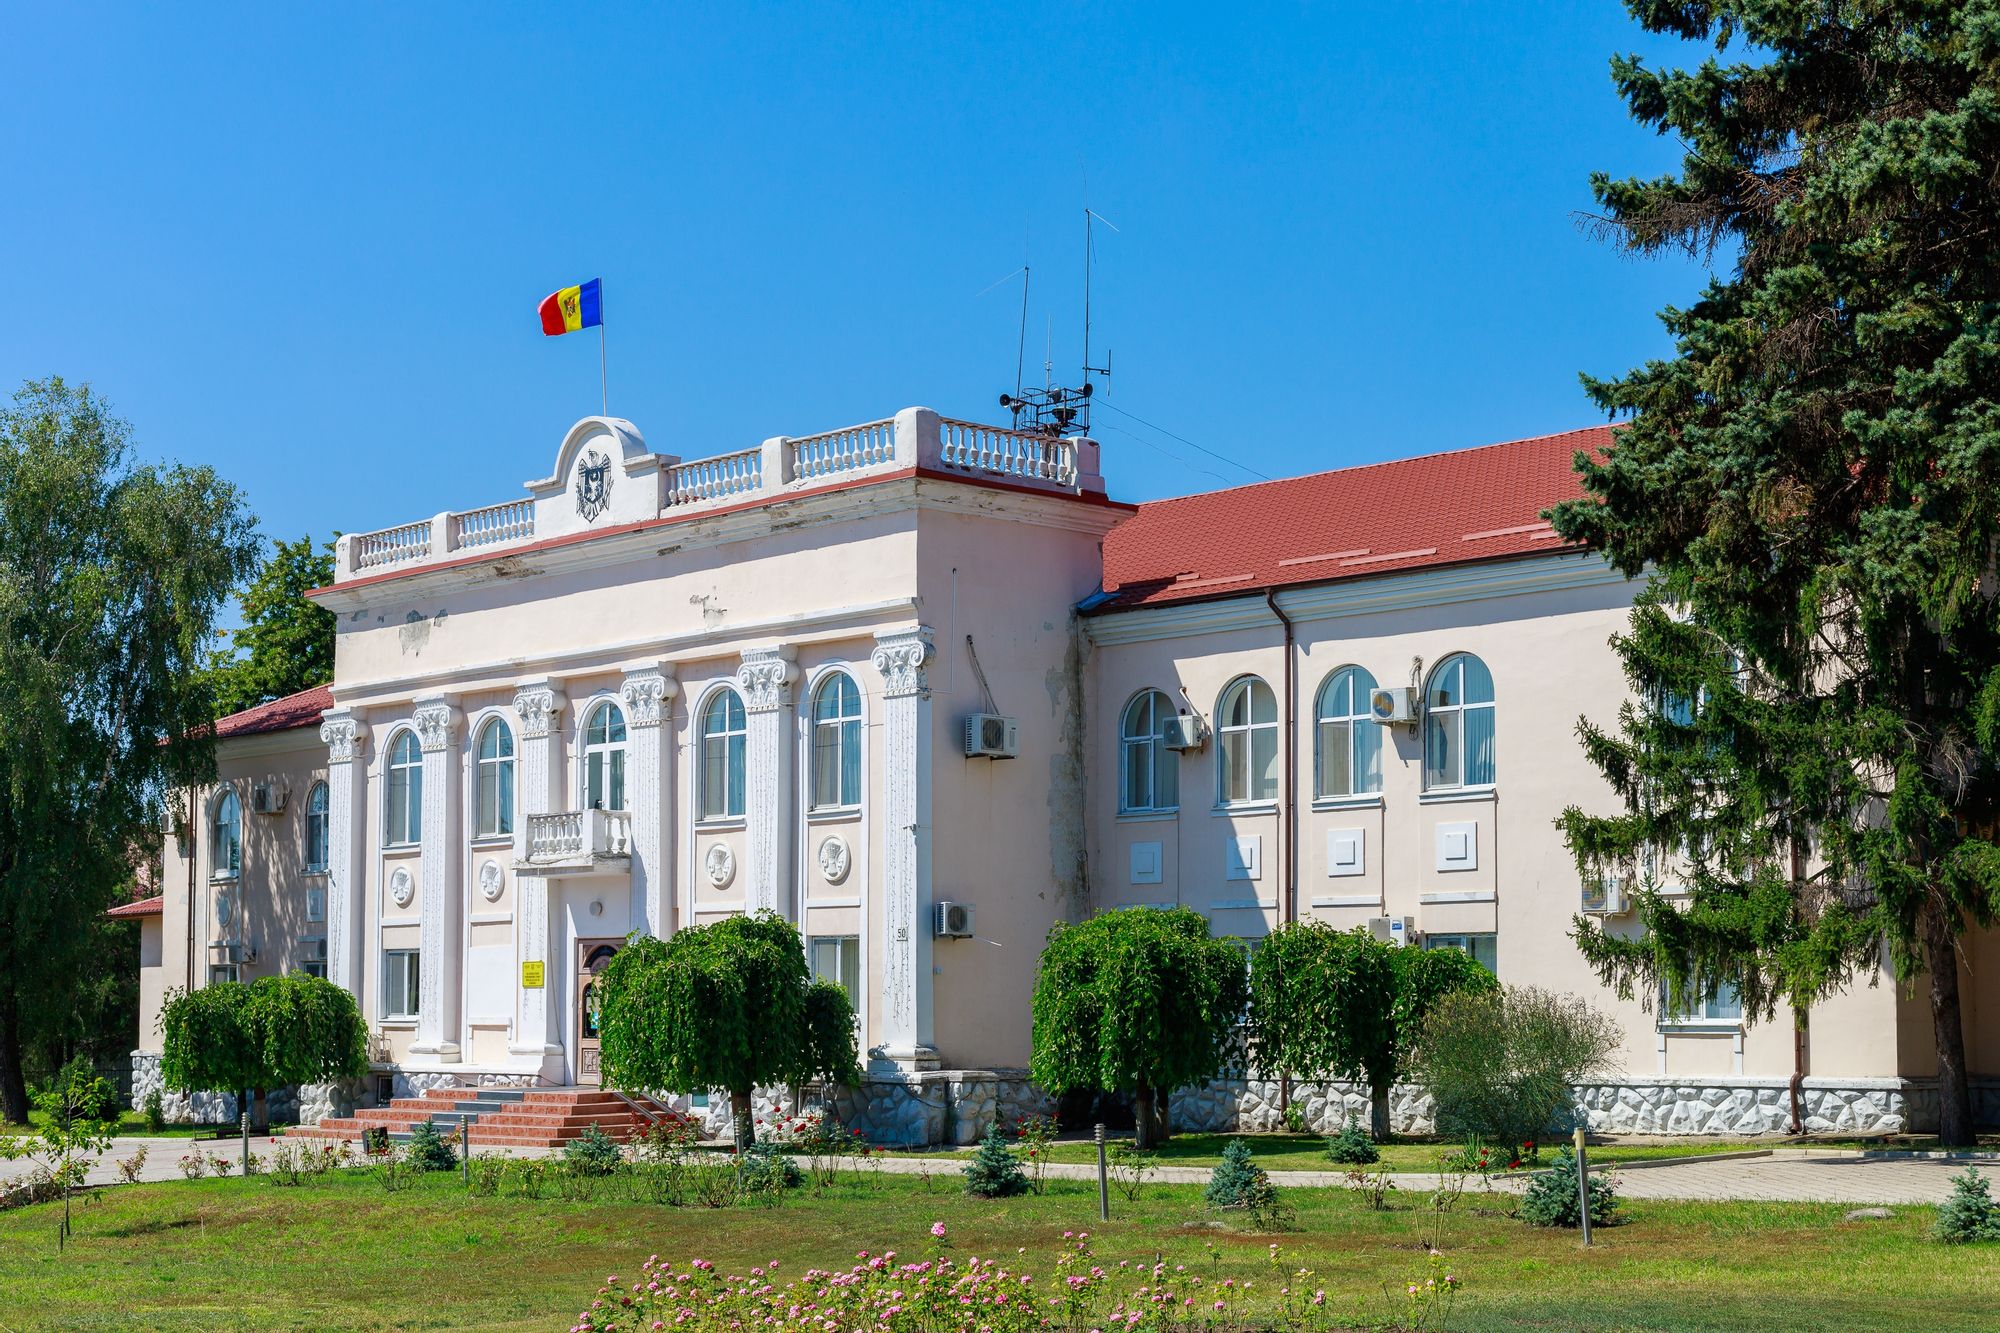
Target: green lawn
(129, 1122)
(1307, 1152)
(342, 1253)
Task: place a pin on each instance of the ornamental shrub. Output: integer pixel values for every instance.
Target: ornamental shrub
(1551, 1200)
(1501, 1065)
(994, 1171)
(765, 1170)
(593, 1153)
(1239, 1183)
(428, 1151)
(1352, 1146)
(78, 1093)
(155, 1111)
(1969, 1214)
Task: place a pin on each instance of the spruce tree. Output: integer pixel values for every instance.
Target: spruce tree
(1970, 1214)
(1809, 482)
(994, 1172)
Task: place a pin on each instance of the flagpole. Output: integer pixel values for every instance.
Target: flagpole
(603, 381)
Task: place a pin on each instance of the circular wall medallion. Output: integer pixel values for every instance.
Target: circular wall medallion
(833, 859)
(491, 881)
(721, 865)
(224, 906)
(402, 887)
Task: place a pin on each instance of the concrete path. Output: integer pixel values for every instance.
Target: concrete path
(1819, 1175)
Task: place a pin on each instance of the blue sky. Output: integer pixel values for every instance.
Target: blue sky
(308, 248)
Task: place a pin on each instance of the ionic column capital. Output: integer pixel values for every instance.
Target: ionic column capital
(345, 738)
(538, 703)
(765, 677)
(900, 655)
(434, 719)
(645, 691)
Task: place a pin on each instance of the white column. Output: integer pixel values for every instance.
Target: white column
(906, 842)
(346, 847)
(437, 885)
(538, 705)
(765, 678)
(648, 693)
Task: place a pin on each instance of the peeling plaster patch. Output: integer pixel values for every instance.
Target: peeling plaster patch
(711, 614)
(514, 568)
(415, 635)
(1068, 854)
(356, 617)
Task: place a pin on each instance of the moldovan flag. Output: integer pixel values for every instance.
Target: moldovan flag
(573, 308)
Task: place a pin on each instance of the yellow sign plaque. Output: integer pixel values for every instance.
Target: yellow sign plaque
(531, 976)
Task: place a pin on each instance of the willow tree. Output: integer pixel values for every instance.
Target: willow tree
(728, 1005)
(112, 575)
(1138, 1002)
(1810, 482)
(1340, 1004)
(250, 1037)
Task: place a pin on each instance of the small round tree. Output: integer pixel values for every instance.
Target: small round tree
(729, 1005)
(1140, 1001)
(1341, 1004)
(250, 1037)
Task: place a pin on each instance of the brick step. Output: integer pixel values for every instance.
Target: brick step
(501, 1117)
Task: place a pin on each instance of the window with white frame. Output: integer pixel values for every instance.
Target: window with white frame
(220, 972)
(226, 837)
(316, 829)
(1485, 949)
(404, 790)
(1347, 751)
(721, 756)
(604, 758)
(1458, 725)
(399, 983)
(1247, 755)
(1724, 1008)
(496, 780)
(837, 958)
(836, 743)
(312, 955)
(1149, 773)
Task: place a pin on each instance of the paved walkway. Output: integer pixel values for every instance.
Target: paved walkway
(1818, 1175)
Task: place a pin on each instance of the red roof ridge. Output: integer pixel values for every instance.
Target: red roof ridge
(1382, 463)
(286, 713)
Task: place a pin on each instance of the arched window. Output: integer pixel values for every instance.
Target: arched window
(1150, 773)
(225, 859)
(405, 790)
(496, 780)
(1458, 725)
(604, 758)
(316, 829)
(836, 743)
(1248, 754)
(721, 756)
(1348, 751)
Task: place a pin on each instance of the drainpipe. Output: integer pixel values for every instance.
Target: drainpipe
(1288, 907)
(187, 850)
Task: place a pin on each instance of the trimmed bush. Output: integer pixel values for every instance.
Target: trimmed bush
(1239, 1183)
(1352, 1146)
(994, 1171)
(593, 1153)
(1970, 1214)
(766, 1170)
(428, 1151)
(1551, 1199)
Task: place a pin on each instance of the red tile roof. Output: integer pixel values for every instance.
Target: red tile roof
(294, 710)
(1440, 509)
(143, 907)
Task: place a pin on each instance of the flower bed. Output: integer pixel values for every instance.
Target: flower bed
(936, 1293)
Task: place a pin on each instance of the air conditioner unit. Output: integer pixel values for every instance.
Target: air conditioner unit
(267, 798)
(1395, 704)
(1184, 731)
(1608, 896)
(991, 736)
(1397, 930)
(312, 950)
(954, 921)
(232, 951)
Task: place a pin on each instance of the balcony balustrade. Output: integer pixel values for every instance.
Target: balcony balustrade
(572, 842)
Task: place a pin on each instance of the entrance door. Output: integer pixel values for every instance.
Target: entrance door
(592, 955)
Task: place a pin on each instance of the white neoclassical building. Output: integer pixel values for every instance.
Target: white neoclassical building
(921, 687)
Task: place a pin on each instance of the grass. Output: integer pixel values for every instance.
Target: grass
(129, 1123)
(342, 1253)
(1307, 1152)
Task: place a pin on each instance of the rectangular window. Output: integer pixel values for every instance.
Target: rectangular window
(1483, 948)
(837, 958)
(1725, 1008)
(722, 777)
(219, 972)
(314, 967)
(399, 983)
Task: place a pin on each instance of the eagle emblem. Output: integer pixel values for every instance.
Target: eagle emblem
(593, 485)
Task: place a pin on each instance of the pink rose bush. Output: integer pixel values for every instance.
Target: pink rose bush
(886, 1293)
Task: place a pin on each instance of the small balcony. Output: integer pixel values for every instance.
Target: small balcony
(577, 842)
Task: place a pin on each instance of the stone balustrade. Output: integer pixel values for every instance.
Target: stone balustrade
(576, 839)
(915, 438)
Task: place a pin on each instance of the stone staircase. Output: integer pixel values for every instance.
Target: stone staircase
(501, 1117)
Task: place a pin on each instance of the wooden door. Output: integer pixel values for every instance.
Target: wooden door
(592, 955)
